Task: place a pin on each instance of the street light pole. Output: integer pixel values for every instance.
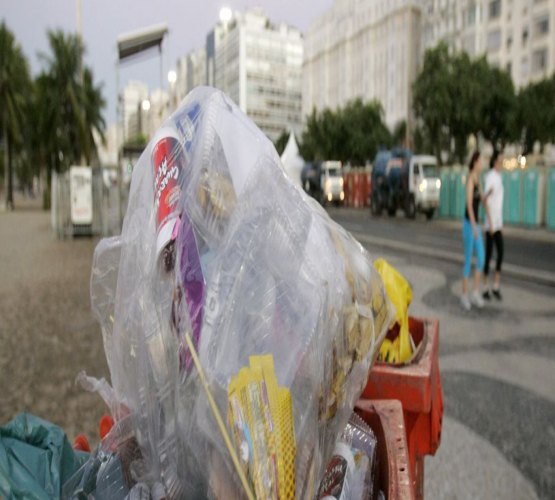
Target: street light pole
(80, 36)
(129, 45)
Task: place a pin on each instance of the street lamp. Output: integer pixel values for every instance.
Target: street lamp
(144, 128)
(131, 46)
(225, 15)
(172, 78)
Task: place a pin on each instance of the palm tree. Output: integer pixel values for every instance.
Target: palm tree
(93, 104)
(71, 104)
(14, 92)
(41, 145)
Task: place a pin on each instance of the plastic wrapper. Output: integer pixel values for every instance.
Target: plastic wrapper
(400, 349)
(352, 471)
(282, 306)
(36, 459)
(107, 474)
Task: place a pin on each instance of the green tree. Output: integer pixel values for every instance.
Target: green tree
(351, 134)
(467, 100)
(365, 131)
(321, 139)
(70, 105)
(456, 96)
(498, 108)
(432, 95)
(281, 142)
(399, 134)
(139, 141)
(14, 91)
(93, 105)
(47, 136)
(536, 113)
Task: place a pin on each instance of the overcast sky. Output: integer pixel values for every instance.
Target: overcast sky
(103, 20)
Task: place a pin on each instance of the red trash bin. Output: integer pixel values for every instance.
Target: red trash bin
(385, 418)
(418, 387)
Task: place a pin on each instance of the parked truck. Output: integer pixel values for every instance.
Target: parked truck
(401, 180)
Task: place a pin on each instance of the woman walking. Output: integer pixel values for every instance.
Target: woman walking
(472, 235)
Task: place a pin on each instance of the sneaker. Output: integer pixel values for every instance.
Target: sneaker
(486, 295)
(497, 294)
(477, 300)
(465, 303)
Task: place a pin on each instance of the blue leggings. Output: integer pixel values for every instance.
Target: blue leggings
(472, 245)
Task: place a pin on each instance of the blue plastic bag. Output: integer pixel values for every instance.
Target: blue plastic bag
(35, 459)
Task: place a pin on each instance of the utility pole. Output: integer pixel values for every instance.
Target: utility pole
(80, 37)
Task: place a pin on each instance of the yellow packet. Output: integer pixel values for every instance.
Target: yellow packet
(261, 416)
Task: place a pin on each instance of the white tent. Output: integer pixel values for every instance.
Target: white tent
(292, 161)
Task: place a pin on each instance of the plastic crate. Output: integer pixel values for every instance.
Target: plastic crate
(385, 418)
(418, 387)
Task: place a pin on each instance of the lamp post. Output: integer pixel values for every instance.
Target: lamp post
(226, 15)
(130, 46)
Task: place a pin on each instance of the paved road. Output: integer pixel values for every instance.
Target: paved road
(497, 368)
(526, 249)
(47, 331)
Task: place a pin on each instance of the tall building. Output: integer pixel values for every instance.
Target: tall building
(158, 112)
(213, 40)
(364, 48)
(108, 152)
(515, 35)
(191, 72)
(442, 20)
(143, 111)
(133, 95)
(258, 64)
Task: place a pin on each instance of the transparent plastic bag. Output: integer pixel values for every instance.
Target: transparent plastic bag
(219, 248)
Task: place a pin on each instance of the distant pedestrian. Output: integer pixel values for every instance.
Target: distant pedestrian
(472, 236)
(494, 225)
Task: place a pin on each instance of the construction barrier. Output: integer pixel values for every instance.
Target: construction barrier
(357, 188)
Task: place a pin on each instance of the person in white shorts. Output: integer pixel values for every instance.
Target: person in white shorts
(494, 225)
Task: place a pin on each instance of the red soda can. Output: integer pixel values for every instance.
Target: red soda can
(168, 161)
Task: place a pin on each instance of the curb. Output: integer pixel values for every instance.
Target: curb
(543, 277)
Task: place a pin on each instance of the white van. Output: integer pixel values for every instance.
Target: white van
(331, 182)
(424, 185)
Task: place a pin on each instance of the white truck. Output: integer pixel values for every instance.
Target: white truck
(331, 182)
(406, 181)
(424, 186)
